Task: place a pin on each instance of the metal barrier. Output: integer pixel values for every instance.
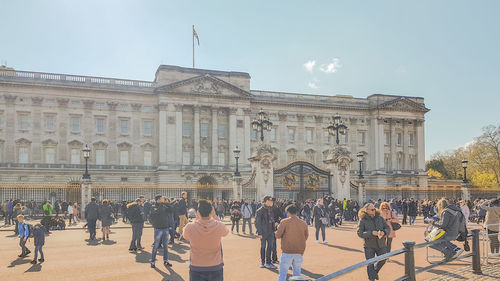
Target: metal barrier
(487, 256)
(409, 251)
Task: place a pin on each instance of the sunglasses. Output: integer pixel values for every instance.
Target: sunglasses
(372, 209)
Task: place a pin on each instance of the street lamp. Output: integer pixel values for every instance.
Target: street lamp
(262, 124)
(359, 155)
(337, 127)
(464, 165)
(236, 152)
(86, 155)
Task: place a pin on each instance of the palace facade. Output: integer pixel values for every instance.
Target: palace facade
(179, 131)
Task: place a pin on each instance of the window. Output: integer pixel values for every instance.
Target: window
(204, 158)
(186, 158)
(291, 117)
(309, 135)
(412, 162)
(362, 138)
(222, 159)
(186, 129)
(400, 161)
(310, 118)
(292, 154)
(272, 134)
(100, 105)
(253, 135)
(50, 155)
(75, 104)
(100, 156)
(344, 138)
(148, 128)
(222, 131)
(147, 179)
(23, 155)
(50, 123)
(387, 137)
(124, 106)
(123, 127)
(148, 161)
(291, 134)
(101, 125)
(75, 156)
(24, 121)
(400, 139)
(204, 130)
(147, 109)
(124, 157)
(75, 124)
(123, 179)
(412, 139)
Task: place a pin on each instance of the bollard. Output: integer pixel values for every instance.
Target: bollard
(476, 254)
(409, 260)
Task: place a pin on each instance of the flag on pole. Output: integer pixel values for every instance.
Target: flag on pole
(196, 36)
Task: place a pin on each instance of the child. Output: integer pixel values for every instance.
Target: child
(24, 233)
(39, 235)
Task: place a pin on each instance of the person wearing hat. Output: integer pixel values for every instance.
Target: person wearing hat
(265, 225)
(161, 221)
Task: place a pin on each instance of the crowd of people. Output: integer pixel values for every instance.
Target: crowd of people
(288, 220)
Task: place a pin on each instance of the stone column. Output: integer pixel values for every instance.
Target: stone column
(10, 128)
(86, 187)
(215, 136)
(262, 164)
(232, 135)
(237, 191)
(247, 131)
(37, 130)
(420, 146)
(162, 126)
(196, 135)
(394, 140)
(406, 142)
(171, 134)
(361, 191)
(377, 143)
(339, 162)
(113, 157)
(465, 190)
(88, 122)
(62, 128)
(178, 133)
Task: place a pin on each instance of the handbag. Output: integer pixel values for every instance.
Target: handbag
(395, 226)
(324, 220)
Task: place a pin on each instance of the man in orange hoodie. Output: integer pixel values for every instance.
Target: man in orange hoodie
(205, 235)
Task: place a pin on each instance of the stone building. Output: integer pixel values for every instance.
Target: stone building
(178, 132)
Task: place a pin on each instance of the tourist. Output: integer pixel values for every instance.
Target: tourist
(5, 210)
(47, 209)
(24, 232)
(246, 212)
(16, 211)
(293, 233)
(373, 229)
(320, 219)
(412, 211)
(265, 225)
(182, 207)
(492, 222)
(465, 210)
(390, 217)
(106, 217)
(235, 217)
(449, 221)
(76, 207)
(161, 221)
(205, 235)
(136, 218)
(10, 206)
(70, 212)
(39, 237)
(91, 215)
(306, 211)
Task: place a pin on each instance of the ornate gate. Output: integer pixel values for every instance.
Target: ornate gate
(301, 180)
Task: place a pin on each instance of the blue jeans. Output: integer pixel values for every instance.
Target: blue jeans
(217, 275)
(91, 224)
(287, 260)
(412, 220)
(318, 227)
(446, 247)
(38, 249)
(373, 269)
(308, 219)
(161, 236)
(265, 252)
(136, 235)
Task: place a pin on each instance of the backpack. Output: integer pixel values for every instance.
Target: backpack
(30, 229)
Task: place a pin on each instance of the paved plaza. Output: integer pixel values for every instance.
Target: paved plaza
(69, 256)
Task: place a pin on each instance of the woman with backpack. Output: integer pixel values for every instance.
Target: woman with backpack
(106, 217)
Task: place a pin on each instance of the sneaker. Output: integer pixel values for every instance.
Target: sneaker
(324, 242)
(166, 263)
(270, 266)
(33, 262)
(41, 260)
(132, 250)
(317, 241)
(458, 252)
(276, 261)
(153, 265)
(262, 265)
(140, 248)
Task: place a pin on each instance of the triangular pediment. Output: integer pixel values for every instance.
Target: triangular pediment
(403, 104)
(205, 85)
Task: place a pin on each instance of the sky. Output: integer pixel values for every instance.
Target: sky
(445, 51)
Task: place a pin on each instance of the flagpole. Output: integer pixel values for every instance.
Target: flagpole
(193, 45)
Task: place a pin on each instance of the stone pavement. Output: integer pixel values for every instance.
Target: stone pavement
(491, 272)
(69, 256)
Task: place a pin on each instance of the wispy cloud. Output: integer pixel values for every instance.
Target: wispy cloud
(331, 67)
(309, 65)
(312, 85)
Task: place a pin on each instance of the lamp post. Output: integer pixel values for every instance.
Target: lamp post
(86, 155)
(337, 127)
(359, 155)
(236, 152)
(464, 165)
(262, 124)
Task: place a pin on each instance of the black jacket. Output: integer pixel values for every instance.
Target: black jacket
(318, 213)
(412, 209)
(134, 213)
(369, 224)
(92, 211)
(161, 216)
(264, 221)
(182, 207)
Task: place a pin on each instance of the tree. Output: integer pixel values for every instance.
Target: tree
(434, 174)
(483, 179)
(437, 165)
